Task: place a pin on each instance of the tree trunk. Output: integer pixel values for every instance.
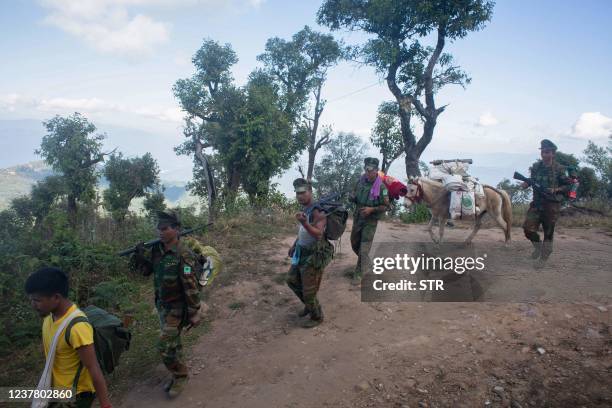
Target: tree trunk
(72, 211)
(210, 184)
(313, 146)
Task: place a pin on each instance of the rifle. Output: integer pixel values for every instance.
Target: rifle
(536, 186)
(149, 244)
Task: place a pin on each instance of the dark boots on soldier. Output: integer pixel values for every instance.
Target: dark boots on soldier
(304, 312)
(537, 249)
(316, 318)
(177, 387)
(546, 250)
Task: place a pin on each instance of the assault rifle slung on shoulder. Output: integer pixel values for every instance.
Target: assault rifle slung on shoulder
(149, 244)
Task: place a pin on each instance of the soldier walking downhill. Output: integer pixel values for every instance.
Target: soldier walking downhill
(177, 296)
(371, 200)
(545, 207)
(310, 254)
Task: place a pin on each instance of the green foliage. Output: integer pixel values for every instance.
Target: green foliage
(72, 150)
(414, 72)
(299, 66)
(264, 144)
(600, 159)
(341, 166)
(115, 294)
(128, 179)
(589, 184)
(416, 214)
(248, 131)
(154, 202)
(517, 194)
(387, 134)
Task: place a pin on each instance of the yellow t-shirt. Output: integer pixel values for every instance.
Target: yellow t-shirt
(66, 357)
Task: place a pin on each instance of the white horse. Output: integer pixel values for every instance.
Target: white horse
(495, 202)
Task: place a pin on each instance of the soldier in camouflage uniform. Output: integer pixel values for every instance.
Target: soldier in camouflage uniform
(369, 206)
(310, 254)
(177, 296)
(545, 208)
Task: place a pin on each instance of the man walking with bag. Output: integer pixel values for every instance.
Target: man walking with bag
(73, 364)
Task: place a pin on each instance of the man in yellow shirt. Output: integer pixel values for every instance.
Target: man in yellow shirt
(75, 362)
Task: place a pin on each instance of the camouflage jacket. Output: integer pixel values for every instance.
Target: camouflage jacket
(554, 176)
(360, 196)
(174, 276)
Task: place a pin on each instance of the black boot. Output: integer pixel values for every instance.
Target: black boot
(546, 250)
(304, 312)
(316, 318)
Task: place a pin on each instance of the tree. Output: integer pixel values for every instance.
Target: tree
(600, 159)
(128, 178)
(341, 166)
(246, 127)
(73, 150)
(414, 73)
(589, 184)
(387, 134)
(300, 66)
(517, 194)
(155, 202)
(264, 142)
(43, 195)
(211, 103)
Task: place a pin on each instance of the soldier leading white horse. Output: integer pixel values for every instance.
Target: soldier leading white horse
(495, 202)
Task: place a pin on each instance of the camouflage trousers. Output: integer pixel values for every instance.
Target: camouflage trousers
(169, 342)
(304, 280)
(362, 236)
(545, 213)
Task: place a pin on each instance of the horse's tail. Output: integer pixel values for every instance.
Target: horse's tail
(506, 211)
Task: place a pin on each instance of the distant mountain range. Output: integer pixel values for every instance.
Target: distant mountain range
(17, 180)
(20, 138)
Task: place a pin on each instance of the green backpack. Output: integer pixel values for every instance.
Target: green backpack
(111, 339)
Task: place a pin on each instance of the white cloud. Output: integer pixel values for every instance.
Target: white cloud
(487, 119)
(63, 106)
(114, 27)
(592, 125)
(107, 25)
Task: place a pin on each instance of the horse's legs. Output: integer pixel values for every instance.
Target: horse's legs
(442, 224)
(477, 225)
(501, 222)
(430, 229)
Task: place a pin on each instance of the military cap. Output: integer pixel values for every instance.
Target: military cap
(371, 163)
(547, 144)
(300, 185)
(168, 217)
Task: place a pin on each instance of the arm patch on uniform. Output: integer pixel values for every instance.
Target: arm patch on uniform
(187, 270)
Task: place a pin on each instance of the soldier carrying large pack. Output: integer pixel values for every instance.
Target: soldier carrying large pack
(177, 295)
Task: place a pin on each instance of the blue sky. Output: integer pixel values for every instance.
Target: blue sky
(539, 68)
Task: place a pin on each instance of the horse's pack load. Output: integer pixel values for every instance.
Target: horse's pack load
(462, 187)
(395, 187)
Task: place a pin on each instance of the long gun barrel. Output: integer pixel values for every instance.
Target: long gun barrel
(149, 244)
(537, 187)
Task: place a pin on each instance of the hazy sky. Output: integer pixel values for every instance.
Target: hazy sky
(539, 68)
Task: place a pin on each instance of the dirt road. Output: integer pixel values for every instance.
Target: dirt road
(399, 354)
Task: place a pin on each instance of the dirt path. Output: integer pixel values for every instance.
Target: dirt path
(397, 354)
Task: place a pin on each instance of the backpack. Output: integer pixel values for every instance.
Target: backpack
(336, 215)
(209, 262)
(111, 339)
